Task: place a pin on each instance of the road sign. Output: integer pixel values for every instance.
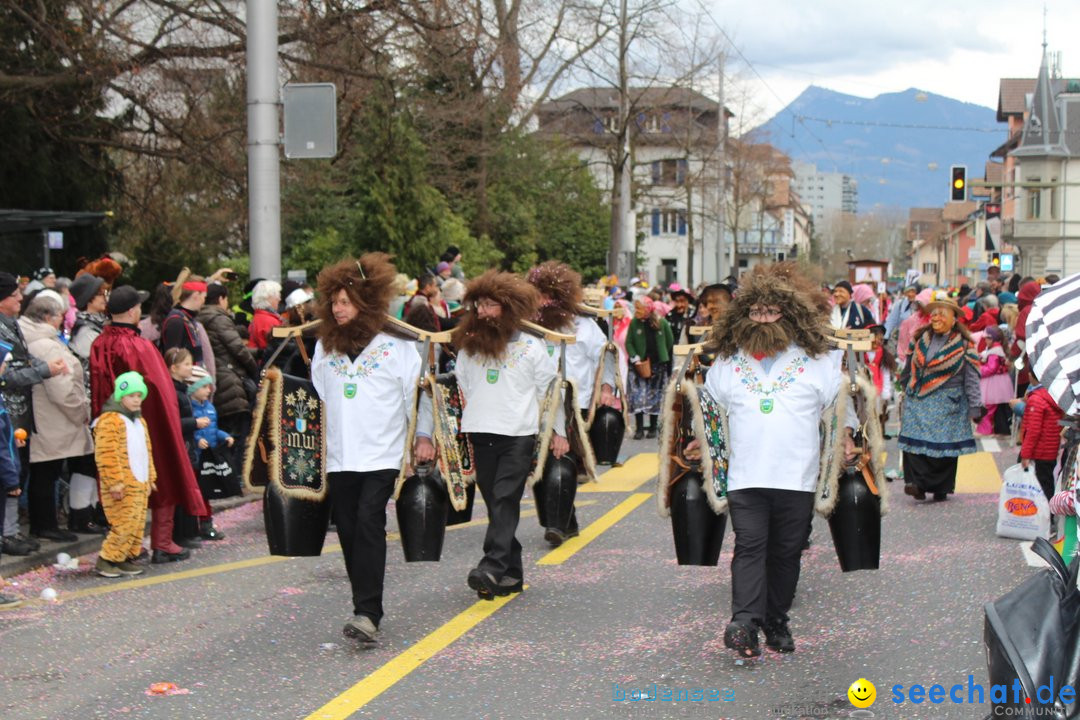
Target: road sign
(310, 120)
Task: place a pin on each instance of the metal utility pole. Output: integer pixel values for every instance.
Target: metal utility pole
(721, 178)
(264, 175)
(621, 249)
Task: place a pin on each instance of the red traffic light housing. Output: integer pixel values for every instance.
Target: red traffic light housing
(958, 183)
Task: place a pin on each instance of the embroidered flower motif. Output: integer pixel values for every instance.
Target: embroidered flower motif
(515, 353)
(755, 386)
(365, 365)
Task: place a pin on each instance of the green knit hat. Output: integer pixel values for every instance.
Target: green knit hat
(128, 383)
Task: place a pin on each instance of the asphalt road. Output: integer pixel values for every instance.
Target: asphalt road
(243, 635)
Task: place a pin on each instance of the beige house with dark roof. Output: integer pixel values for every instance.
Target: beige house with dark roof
(674, 140)
(1041, 171)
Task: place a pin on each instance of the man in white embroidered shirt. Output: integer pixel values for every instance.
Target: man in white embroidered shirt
(367, 382)
(504, 375)
(560, 295)
(775, 377)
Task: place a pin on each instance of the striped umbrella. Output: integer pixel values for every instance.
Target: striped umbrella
(1053, 342)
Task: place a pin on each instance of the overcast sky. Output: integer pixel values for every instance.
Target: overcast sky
(868, 47)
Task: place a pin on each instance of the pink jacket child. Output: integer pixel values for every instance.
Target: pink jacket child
(995, 383)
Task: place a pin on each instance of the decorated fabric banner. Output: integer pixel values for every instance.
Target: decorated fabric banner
(689, 413)
(456, 463)
(575, 431)
(287, 445)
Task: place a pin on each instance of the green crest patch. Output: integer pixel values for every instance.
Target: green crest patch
(350, 390)
(492, 376)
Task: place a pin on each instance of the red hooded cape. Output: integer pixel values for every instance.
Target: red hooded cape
(117, 350)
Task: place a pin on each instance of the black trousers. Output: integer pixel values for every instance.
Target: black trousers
(770, 530)
(502, 467)
(1044, 473)
(42, 495)
(359, 502)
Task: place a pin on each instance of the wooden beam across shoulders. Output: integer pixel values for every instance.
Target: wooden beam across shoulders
(542, 332)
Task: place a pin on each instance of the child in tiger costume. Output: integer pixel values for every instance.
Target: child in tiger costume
(123, 454)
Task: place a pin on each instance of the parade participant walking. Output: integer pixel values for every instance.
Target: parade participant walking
(900, 311)
(367, 381)
(847, 313)
(117, 350)
(775, 377)
(504, 375)
(919, 317)
(941, 396)
(649, 345)
(681, 316)
(128, 477)
(560, 295)
(996, 384)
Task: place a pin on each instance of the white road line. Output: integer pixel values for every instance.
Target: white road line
(990, 444)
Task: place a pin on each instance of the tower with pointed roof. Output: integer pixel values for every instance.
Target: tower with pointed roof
(1046, 223)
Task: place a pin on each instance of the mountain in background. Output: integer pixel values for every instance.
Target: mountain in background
(892, 144)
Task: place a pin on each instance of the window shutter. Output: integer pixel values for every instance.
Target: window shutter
(680, 172)
(682, 222)
(655, 221)
(656, 172)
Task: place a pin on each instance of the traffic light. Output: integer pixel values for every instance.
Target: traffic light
(958, 183)
(995, 259)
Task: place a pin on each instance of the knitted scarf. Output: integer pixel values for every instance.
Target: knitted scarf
(929, 374)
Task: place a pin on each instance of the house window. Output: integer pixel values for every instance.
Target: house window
(613, 123)
(929, 268)
(668, 222)
(669, 172)
(1034, 200)
(1053, 198)
(652, 124)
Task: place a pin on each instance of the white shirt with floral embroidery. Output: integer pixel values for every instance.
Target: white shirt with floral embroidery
(367, 401)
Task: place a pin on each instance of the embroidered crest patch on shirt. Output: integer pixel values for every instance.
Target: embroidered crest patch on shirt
(492, 376)
(350, 390)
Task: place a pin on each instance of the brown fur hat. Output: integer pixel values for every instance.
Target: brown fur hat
(519, 301)
(369, 290)
(104, 267)
(563, 286)
(805, 309)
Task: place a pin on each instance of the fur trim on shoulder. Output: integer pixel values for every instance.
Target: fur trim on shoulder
(610, 354)
(832, 453)
(579, 443)
(270, 384)
(548, 412)
(875, 437)
(676, 392)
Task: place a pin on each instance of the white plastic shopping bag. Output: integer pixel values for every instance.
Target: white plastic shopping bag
(1023, 510)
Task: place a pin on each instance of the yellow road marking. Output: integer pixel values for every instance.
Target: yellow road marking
(562, 553)
(626, 478)
(977, 473)
(386, 676)
(226, 567)
(389, 674)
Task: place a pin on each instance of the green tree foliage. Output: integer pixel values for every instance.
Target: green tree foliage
(44, 166)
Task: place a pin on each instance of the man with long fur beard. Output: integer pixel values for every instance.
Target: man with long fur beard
(775, 377)
(504, 375)
(560, 294)
(367, 381)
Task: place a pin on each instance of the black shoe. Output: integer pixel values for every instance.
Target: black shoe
(914, 491)
(742, 638)
(650, 433)
(639, 434)
(141, 558)
(207, 531)
(557, 537)
(484, 583)
(34, 544)
(509, 586)
(14, 546)
(778, 636)
(192, 543)
(82, 521)
(160, 557)
(57, 534)
(938, 497)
